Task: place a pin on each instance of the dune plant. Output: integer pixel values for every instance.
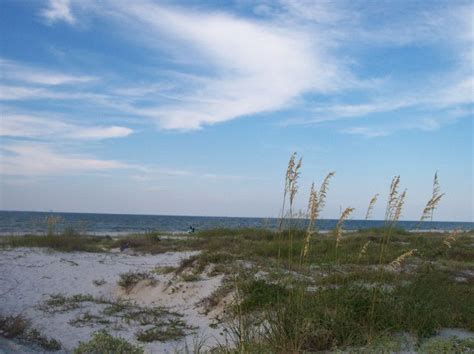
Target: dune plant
(363, 251)
(51, 224)
(451, 238)
(371, 206)
(398, 262)
(433, 202)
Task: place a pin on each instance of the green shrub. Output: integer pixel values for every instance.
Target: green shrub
(104, 343)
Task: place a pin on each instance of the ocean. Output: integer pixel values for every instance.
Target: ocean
(21, 222)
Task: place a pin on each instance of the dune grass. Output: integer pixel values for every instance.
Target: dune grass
(297, 289)
(317, 292)
(103, 342)
(19, 328)
(60, 242)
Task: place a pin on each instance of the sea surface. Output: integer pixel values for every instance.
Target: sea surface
(20, 222)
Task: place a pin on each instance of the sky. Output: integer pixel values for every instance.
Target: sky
(194, 107)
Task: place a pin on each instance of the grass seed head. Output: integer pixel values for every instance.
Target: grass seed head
(363, 250)
(397, 263)
(435, 199)
(338, 230)
(371, 206)
(448, 241)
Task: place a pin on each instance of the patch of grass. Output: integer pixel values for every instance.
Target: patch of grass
(451, 345)
(248, 233)
(13, 326)
(128, 280)
(155, 243)
(87, 319)
(190, 277)
(159, 322)
(63, 242)
(163, 270)
(167, 330)
(104, 343)
(375, 231)
(339, 317)
(198, 263)
(210, 302)
(259, 294)
(61, 303)
(18, 327)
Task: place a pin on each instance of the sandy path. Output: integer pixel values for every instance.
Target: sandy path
(29, 276)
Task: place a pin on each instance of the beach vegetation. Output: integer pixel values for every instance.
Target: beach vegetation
(103, 342)
(150, 323)
(60, 242)
(18, 327)
(297, 288)
(313, 291)
(129, 279)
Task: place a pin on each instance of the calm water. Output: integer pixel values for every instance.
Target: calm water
(17, 222)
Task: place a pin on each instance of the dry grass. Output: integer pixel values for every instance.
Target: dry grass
(431, 205)
(350, 305)
(448, 241)
(19, 328)
(371, 206)
(397, 263)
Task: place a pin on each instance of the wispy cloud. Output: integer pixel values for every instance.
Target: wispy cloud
(452, 94)
(28, 126)
(33, 159)
(57, 11)
(251, 66)
(244, 66)
(15, 71)
(423, 123)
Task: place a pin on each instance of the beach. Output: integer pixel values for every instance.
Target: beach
(167, 293)
(30, 276)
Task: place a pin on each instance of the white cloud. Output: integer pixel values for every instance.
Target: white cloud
(27, 126)
(368, 132)
(423, 123)
(250, 66)
(8, 92)
(99, 132)
(42, 160)
(12, 70)
(57, 11)
(25, 93)
(449, 94)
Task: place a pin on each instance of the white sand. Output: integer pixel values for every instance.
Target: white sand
(29, 276)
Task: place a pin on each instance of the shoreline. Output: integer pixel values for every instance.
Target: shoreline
(184, 233)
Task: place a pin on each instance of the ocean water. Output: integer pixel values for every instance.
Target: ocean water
(19, 222)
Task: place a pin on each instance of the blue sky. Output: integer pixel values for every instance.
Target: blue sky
(194, 107)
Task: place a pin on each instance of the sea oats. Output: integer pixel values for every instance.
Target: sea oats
(399, 206)
(324, 190)
(338, 230)
(313, 214)
(431, 205)
(363, 250)
(448, 241)
(371, 206)
(291, 185)
(392, 198)
(397, 263)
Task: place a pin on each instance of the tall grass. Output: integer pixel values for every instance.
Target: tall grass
(345, 312)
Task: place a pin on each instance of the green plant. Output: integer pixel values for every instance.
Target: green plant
(128, 280)
(104, 343)
(18, 327)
